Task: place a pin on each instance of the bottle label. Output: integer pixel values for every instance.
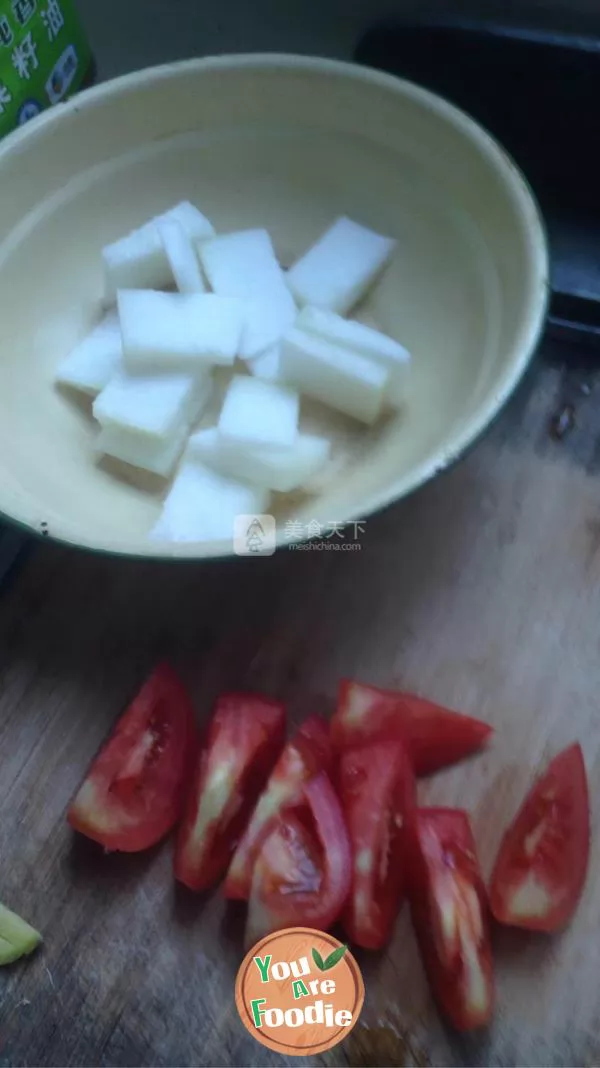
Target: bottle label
(44, 57)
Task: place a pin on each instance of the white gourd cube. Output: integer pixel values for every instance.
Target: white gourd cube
(92, 363)
(182, 256)
(202, 505)
(259, 413)
(156, 454)
(335, 376)
(195, 224)
(244, 265)
(139, 260)
(339, 269)
(267, 320)
(177, 331)
(363, 340)
(266, 366)
(281, 470)
(152, 404)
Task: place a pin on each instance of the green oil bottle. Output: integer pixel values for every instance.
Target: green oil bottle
(44, 58)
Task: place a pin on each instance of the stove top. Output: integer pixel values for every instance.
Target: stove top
(537, 92)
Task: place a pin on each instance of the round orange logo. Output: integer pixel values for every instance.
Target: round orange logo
(299, 992)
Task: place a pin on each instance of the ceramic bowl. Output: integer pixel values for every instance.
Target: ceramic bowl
(287, 143)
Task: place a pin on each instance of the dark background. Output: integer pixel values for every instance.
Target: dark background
(128, 34)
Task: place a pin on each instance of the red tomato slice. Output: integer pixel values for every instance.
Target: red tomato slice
(134, 790)
(378, 794)
(435, 736)
(302, 875)
(449, 911)
(313, 739)
(244, 740)
(308, 752)
(541, 868)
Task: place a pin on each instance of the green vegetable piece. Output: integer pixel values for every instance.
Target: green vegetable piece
(17, 938)
(334, 958)
(316, 956)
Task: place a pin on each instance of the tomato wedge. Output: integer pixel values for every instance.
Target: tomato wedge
(378, 794)
(449, 912)
(308, 752)
(244, 739)
(134, 791)
(435, 736)
(302, 875)
(542, 864)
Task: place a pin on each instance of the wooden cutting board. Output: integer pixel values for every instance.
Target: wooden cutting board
(481, 591)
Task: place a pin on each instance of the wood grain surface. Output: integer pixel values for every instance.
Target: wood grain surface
(481, 591)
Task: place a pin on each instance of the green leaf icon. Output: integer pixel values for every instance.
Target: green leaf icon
(334, 958)
(316, 956)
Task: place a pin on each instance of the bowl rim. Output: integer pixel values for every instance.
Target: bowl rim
(525, 203)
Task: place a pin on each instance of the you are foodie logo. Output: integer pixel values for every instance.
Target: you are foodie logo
(299, 992)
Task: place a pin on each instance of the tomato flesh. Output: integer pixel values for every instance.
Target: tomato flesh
(244, 740)
(133, 793)
(307, 753)
(302, 874)
(540, 872)
(435, 736)
(378, 794)
(449, 913)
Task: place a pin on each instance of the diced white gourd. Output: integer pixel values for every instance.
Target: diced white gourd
(267, 320)
(156, 454)
(152, 404)
(361, 339)
(282, 470)
(335, 376)
(139, 260)
(195, 224)
(92, 363)
(177, 331)
(337, 271)
(259, 413)
(244, 265)
(182, 256)
(202, 505)
(266, 366)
